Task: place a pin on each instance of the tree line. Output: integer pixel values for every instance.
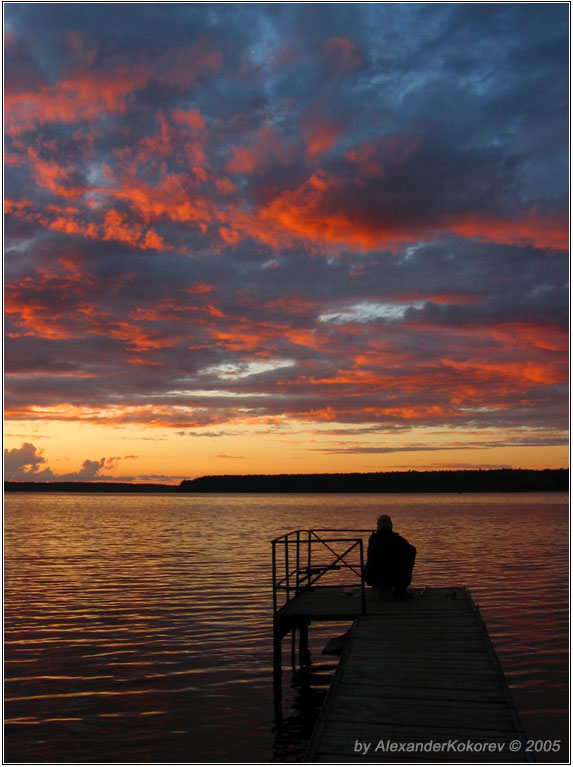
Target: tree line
(457, 481)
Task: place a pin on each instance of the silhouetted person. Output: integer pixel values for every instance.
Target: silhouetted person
(390, 560)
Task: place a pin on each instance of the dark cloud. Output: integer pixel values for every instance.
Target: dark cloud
(475, 445)
(232, 457)
(23, 465)
(227, 214)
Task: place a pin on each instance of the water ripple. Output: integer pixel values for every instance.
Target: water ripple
(139, 629)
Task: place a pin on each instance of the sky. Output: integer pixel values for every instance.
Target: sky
(284, 238)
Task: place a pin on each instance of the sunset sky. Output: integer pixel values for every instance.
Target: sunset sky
(245, 238)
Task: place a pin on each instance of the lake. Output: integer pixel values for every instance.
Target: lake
(139, 628)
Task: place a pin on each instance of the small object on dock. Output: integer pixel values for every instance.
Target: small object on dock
(381, 594)
(335, 646)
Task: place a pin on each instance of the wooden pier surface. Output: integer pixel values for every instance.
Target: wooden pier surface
(418, 681)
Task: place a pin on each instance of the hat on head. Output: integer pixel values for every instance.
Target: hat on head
(384, 522)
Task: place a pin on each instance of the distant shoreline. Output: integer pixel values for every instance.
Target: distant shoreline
(457, 481)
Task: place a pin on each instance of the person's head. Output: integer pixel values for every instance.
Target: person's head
(384, 523)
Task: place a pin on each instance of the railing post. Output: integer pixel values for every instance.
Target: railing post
(286, 569)
(297, 561)
(362, 589)
(274, 577)
(309, 563)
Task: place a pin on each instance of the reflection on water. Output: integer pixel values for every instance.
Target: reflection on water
(138, 628)
(294, 726)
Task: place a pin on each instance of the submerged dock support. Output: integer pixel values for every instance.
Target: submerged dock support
(303, 652)
(282, 627)
(279, 630)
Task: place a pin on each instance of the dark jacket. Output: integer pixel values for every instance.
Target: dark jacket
(390, 559)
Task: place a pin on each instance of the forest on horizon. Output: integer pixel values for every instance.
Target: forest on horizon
(453, 481)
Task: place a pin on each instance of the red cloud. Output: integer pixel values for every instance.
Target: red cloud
(137, 337)
(520, 374)
(551, 339)
(230, 236)
(173, 198)
(160, 416)
(49, 305)
(115, 227)
(181, 138)
(52, 176)
(68, 225)
(69, 221)
(321, 136)
(372, 157)
(314, 211)
(17, 207)
(89, 93)
(191, 118)
(83, 96)
(322, 208)
(225, 185)
(244, 160)
(539, 230)
(247, 159)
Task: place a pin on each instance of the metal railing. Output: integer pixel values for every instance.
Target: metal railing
(302, 557)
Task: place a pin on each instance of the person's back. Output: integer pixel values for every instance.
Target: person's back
(390, 559)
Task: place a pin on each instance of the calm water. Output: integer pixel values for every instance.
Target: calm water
(138, 628)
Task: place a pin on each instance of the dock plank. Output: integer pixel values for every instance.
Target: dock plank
(426, 678)
(439, 714)
(478, 691)
(419, 672)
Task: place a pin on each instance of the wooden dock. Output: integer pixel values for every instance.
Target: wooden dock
(418, 681)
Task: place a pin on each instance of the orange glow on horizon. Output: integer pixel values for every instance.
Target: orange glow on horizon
(300, 449)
